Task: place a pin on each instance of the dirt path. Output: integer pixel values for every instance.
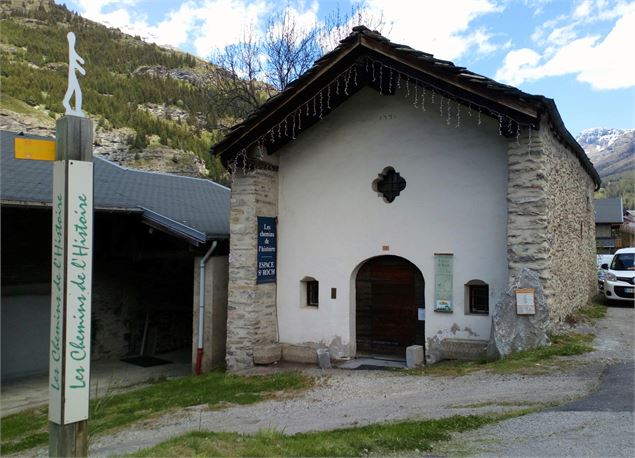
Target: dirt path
(344, 398)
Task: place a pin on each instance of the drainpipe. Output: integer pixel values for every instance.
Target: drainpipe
(201, 308)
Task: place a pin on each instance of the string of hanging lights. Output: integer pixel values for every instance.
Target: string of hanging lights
(375, 72)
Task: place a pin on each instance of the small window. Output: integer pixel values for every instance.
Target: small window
(313, 293)
(477, 297)
(310, 291)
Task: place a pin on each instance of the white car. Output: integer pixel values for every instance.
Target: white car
(602, 259)
(619, 279)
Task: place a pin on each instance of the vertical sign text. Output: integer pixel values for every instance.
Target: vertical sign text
(266, 272)
(57, 295)
(78, 289)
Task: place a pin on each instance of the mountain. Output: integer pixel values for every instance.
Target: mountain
(612, 152)
(154, 108)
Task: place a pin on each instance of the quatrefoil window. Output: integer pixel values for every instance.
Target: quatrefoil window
(389, 184)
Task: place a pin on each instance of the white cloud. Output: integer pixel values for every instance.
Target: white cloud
(208, 24)
(611, 64)
(537, 6)
(443, 29)
(606, 63)
(222, 22)
(583, 9)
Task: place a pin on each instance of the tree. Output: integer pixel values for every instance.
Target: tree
(262, 64)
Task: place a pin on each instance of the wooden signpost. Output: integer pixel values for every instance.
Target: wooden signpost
(71, 282)
(71, 266)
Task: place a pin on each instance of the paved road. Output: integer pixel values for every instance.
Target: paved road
(601, 424)
(615, 394)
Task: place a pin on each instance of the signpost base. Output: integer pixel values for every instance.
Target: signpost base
(68, 440)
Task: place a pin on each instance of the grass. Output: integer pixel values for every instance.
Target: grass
(379, 439)
(534, 361)
(17, 106)
(594, 311)
(29, 429)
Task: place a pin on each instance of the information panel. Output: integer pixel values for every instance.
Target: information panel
(525, 301)
(266, 272)
(443, 271)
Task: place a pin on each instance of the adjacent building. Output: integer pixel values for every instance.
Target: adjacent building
(609, 217)
(151, 231)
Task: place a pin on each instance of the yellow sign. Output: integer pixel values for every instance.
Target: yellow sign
(34, 149)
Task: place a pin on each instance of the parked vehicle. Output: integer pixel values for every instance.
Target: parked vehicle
(602, 259)
(619, 277)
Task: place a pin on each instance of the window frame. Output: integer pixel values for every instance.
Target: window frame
(313, 289)
(472, 289)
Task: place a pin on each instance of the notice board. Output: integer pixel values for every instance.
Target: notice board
(443, 272)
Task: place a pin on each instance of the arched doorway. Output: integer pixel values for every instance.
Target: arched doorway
(389, 290)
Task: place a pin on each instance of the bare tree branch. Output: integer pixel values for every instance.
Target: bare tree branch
(261, 65)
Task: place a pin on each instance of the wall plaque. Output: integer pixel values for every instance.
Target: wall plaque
(266, 272)
(443, 271)
(525, 304)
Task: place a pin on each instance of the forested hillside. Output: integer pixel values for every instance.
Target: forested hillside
(153, 98)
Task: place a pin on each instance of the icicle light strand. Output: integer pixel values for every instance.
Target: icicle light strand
(241, 157)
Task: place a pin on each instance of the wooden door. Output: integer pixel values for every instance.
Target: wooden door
(389, 291)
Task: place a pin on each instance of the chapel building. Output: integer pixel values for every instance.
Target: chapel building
(386, 198)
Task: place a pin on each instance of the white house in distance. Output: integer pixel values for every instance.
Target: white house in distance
(385, 198)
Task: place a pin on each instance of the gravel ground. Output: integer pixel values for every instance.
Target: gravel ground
(599, 425)
(343, 398)
(549, 434)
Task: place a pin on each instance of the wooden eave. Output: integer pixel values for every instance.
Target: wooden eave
(300, 91)
(426, 67)
(280, 105)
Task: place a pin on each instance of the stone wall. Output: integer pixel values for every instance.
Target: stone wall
(571, 230)
(550, 227)
(251, 308)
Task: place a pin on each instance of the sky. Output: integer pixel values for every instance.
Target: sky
(579, 52)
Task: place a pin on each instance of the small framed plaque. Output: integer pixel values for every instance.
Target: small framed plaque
(525, 304)
(443, 306)
(421, 314)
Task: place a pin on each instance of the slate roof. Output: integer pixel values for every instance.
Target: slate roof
(609, 211)
(501, 98)
(192, 208)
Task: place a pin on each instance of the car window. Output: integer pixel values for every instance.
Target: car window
(623, 261)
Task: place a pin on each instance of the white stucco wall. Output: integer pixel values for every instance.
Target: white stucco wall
(330, 220)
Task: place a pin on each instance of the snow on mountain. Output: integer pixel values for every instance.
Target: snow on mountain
(611, 150)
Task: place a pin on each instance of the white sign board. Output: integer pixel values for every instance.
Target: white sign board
(71, 291)
(525, 302)
(443, 282)
(57, 296)
(421, 314)
(78, 290)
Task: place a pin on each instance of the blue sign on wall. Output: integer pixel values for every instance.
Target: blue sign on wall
(266, 250)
